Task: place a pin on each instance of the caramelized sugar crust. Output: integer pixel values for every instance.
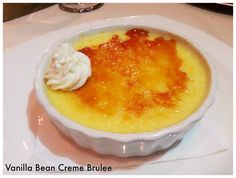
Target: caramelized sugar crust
(123, 73)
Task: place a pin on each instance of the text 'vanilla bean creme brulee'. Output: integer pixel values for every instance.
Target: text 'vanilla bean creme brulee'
(139, 81)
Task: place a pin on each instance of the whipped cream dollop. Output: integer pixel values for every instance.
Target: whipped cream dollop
(68, 70)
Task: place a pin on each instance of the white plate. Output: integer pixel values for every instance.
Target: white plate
(19, 68)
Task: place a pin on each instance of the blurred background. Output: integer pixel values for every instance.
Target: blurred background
(15, 10)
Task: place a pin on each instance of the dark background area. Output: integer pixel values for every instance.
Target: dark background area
(226, 8)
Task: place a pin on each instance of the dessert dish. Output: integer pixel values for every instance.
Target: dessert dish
(140, 82)
(122, 87)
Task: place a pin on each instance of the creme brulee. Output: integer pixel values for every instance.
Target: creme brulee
(141, 81)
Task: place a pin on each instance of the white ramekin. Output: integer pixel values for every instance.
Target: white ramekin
(122, 145)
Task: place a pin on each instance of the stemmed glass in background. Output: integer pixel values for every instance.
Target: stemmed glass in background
(79, 7)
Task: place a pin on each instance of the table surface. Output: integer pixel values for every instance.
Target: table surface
(218, 25)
